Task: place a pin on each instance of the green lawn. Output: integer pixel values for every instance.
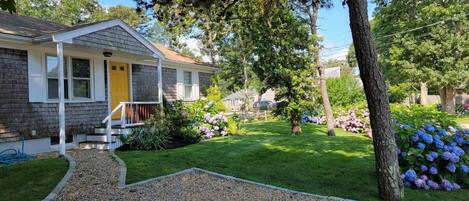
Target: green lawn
(32, 180)
(462, 120)
(312, 162)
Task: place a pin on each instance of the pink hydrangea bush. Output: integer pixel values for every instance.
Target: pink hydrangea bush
(355, 121)
(214, 125)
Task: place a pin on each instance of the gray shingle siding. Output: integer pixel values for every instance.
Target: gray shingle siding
(169, 84)
(204, 83)
(145, 83)
(18, 116)
(113, 38)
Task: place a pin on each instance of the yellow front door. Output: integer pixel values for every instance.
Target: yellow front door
(119, 81)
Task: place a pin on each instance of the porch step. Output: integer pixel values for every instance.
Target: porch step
(95, 145)
(100, 137)
(114, 130)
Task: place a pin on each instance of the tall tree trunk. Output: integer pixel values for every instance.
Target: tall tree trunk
(295, 122)
(326, 103)
(313, 17)
(447, 95)
(450, 104)
(387, 167)
(423, 94)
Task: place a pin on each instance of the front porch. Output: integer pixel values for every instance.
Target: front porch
(94, 63)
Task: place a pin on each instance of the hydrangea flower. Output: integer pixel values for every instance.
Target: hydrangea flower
(433, 185)
(456, 186)
(410, 175)
(420, 183)
(464, 168)
(433, 171)
(451, 167)
(414, 138)
(439, 144)
(446, 155)
(434, 154)
(424, 177)
(429, 157)
(423, 168)
(429, 128)
(442, 132)
(420, 133)
(427, 138)
(421, 146)
(454, 158)
(445, 184)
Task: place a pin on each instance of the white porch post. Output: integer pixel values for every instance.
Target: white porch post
(160, 84)
(60, 66)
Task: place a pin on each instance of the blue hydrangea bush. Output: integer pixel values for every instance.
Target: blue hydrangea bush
(432, 155)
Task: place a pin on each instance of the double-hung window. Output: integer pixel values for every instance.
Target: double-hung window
(81, 78)
(53, 77)
(187, 85)
(77, 74)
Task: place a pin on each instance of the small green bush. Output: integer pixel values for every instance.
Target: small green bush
(418, 116)
(344, 91)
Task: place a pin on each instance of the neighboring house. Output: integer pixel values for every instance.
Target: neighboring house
(236, 100)
(107, 67)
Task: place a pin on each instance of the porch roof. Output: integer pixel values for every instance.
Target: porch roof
(112, 35)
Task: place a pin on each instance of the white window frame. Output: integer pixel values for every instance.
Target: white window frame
(69, 80)
(187, 85)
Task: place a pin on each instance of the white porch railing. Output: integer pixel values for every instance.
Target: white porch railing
(131, 114)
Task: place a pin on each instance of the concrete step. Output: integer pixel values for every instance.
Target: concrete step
(119, 131)
(100, 137)
(95, 145)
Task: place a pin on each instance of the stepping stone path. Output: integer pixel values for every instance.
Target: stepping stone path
(96, 178)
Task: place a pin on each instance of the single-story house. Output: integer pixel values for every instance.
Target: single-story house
(111, 76)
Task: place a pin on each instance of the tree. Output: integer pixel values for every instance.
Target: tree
(68, 12)
(8, 5)
(283, 58)
(386, 164)
(127, 14)
(204, 20)
(309, 9)
(423, 43)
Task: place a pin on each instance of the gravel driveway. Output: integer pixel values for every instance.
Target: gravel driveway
(96, 178)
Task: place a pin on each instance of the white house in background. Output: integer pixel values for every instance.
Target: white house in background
(236, 100)
(112, 77)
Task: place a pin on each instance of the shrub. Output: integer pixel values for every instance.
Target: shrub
(418, 116)
(433, 156)
(398, 93)
(462, 110)
(344, 91)
(149, 137)
(355, 121)
(432, 152)
(216, 125)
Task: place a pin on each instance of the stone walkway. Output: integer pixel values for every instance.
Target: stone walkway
(96, 178)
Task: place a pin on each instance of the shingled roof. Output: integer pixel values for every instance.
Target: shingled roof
(175, 56)
(15, 24)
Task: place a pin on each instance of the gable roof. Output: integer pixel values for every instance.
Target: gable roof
(14, 24)
(175, 56)
(38, 30)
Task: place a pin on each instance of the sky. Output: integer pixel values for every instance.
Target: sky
(333, 25)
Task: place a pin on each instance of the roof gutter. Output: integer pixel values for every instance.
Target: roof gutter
(16, 38)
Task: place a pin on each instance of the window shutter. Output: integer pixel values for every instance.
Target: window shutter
(180, 83)
(36, 77)
(195, 85)
(99, 89)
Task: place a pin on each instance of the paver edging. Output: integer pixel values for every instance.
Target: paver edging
(71, 168)
(123, 172)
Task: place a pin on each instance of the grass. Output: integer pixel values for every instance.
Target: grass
(32, 180)
(462, 120)
(340, 166)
